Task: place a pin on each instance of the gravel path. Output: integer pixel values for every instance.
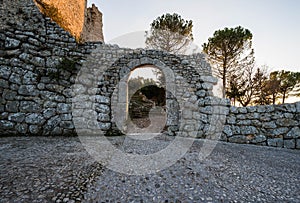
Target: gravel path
(40, 169)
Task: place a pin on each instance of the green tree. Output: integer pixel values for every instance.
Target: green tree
(287, 82)
(170, 33)
(229, 51)
(297, 90)
(271, 90)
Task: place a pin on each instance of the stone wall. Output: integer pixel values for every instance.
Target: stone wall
(85, 24)
(50, 85)
(69, 15)
(40, 63)
(272, 125)
(102, 81)
(93, 25)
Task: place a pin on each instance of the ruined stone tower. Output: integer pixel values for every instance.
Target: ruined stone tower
(85, 24)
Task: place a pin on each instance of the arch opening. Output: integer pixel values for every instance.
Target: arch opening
(146, 98)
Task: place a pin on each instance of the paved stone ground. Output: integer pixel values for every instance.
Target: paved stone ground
(40, 169)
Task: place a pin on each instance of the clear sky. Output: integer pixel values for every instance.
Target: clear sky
(275, 24)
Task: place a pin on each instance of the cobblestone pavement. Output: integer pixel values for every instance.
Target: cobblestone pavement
(40, 169)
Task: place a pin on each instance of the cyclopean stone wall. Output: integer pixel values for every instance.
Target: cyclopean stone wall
(69, 15)
(85, 24)
(271, 125)
(50, 85)
(39, 65)
(101, 92)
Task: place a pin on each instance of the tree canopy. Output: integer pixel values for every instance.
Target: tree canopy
(170, 33)
(230, 53)
(262, 88)
(286, 82)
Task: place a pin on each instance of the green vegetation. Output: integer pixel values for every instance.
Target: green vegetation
(170, 33)
(230, 53)
(284, 83)
(263, 88)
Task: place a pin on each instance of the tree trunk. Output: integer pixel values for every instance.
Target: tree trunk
(224, 86)
(224, 76)
(283, 97)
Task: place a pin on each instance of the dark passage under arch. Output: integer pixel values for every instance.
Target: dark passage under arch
(143, 100)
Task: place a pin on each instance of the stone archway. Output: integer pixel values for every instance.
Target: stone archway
(190, 106)
(146, 94)
(158, 121)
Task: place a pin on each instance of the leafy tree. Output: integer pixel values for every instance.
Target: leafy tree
(229, 51)
(170, 33)
(287, 81)
(261, 88)
(271, 90)
(297, 90)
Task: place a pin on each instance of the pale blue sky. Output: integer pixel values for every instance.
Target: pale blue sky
(275, 24)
